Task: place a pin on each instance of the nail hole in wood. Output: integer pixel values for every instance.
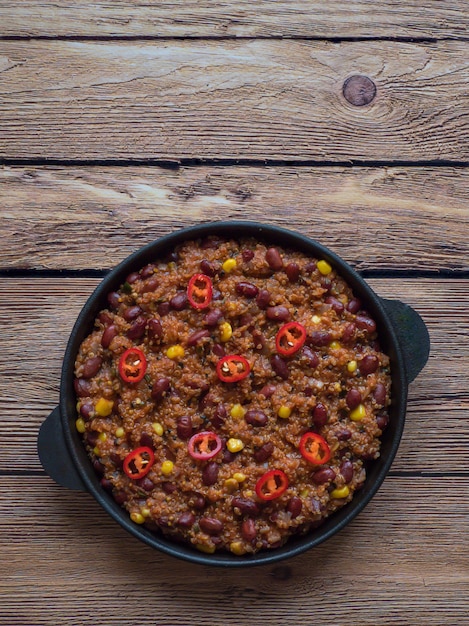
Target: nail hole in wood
(359, 90)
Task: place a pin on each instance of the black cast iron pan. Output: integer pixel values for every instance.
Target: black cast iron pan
(402, 334)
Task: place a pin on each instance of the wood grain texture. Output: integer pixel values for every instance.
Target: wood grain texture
(253, 99)
(384, 568)
(375, 218)
(244, 18)
(38, 315)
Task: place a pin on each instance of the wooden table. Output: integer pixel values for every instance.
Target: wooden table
(122, 121)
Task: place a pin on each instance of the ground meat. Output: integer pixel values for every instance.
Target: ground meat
(313, 364)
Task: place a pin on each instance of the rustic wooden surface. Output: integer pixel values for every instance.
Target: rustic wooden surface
(122, 121)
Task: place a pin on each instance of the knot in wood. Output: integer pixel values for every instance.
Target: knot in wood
(359, 90)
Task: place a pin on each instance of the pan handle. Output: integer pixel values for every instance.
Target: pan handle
(412, 335)
(53, 453)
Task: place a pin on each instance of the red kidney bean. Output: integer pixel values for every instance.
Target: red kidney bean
(219, 416)
(379, 394)
(115, 458)
(319, 338)
(184, 427)
(213, 317)
(137, 329)
(335, 304)
(343, 434)
(179, 301)
(365, 323)
(292, 271)
(106, 484)
(168, 487)
(264, 452)
(248, 290)
(255, 417)
(310, 267)
(368, 364)
(346, 469)
(245, 506)
(278, 313)
(146, 440)
(217, 295)
(120, 496)
(218, 350)
(86, 410)
(382, 421)
(268, 390)
(91, 367)
(207, 268)
(155, 328)
(353, 398)
(322, 476)
(308, 391)
(247, 255)
(273, 258)
(311, 358)
(150, 285)
(259, 341)
(227, 456)
(211, 525)
(131, 313)
(210, 474)
(294, 506)
(245, 319)
(263, 298)
(197, 501)
(145, 483)
(98, 467)
(148, 270)
(131, 278)
(195, 337)
(163, 308)
(326, 283)
(280, 367)
(160, 388)
(354, 305)
(114, 299)
(186, 520)
(108, 335)
(320, 415)
(91, 437)
(248, 529)
(348, 332)
(105, 318)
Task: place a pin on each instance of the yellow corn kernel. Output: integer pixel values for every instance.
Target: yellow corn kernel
(237, 548)
(315, 319)
(175, 352)
(103, 407)
(167, 467)
(358, 414)
(80, 425)
(120, 432)
(324, 267)
(334, 345)
(234, 445)
(229, 265)
(231, 484)
(204, 548)
(102, 436)
(137, 517)
(239, 477)
(304, 493)
(96, 451)
(145, 512)
(226, 332)
(237, 411)
(158, 428)
(284, 412)
(352, 366)
(340, 492)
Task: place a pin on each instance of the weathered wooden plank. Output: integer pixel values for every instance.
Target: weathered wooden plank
(189, 18)
(37, 316)
(57, 544)
(92, 218)
(250, 99)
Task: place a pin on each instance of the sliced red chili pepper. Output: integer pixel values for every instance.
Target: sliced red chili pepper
(204, 445)
(290, 338)
(271, 485)
(199, 291)
(139, 462)
(315, 448)
(132, 365)
(233, 367)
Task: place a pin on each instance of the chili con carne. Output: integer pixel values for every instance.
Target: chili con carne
(315, 448)
(232, 368)
(290, 338)
(200, 291)
(139, 462)
(132, 365)
(271, 485)
(204, 445)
